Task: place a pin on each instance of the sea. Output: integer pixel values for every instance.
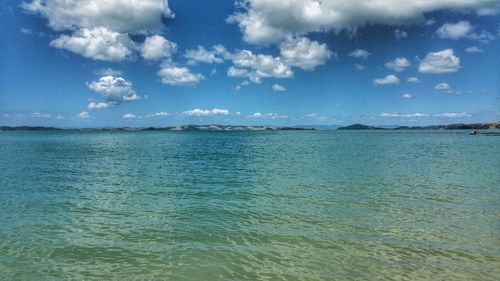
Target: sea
(270, 205)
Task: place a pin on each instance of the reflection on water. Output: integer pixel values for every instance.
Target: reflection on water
(249, 205)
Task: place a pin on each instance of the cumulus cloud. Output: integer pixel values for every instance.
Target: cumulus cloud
(304, 53)
(197, 112)
(359, 54)
(462, 29)
(98, 43)
(114, 90)
(414, 80)
(157, 47)
(124, 16)
(257, 66)
(474, 49)
(278, 88)
(204, 56)
(99, 105)
(388, 80)
(160, 114)
(179, 76)
(267, 115)
(442, 86)
(440, 62)
(270, 21)
(398, 64)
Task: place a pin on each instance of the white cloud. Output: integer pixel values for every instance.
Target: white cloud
(197, 112)
(359, 54)
(124, 16)
(304, 53)
(400, 34)
(278, 88)
(398, 64)
(267, 115)
(157, 47)
(179, 76)
(115, 90)
(160, 114)
(407, 96)
(40, 115)
(442, 86)
(98, 43)
(26, 31)
(388, 80)
(414, 80)
(359, 67)
(474, 49)
(462, 29)
(440, 62)
(83, 115)
(108, 71)
(399, 115)
(270, 21)
(257, 66)
(452, 115)
(100, 105)
(130, 116)
(202, 55)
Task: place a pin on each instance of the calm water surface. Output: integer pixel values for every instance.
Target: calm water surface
(416, 205)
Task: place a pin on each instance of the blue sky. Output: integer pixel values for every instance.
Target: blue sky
(158, 63)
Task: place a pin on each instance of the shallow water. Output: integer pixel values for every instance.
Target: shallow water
(287, 205)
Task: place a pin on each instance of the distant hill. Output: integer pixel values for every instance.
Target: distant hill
(475, 126)
(318, 127)
(211, 127)
(360, 127)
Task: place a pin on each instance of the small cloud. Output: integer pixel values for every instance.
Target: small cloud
(267, 115)
(442, 86)
(83, 115)
(160, 114)
(26, 31)
(40, 115)
(414, 80)
(278, 88)
(407, 96)
(474, 49)
(400, 34)
(359, 67)
(108, 72)
(99, 105)
(399, 115)
(398, 64)
(388, 80)
(359, 54)
(179, 76)
(130, 116)
(197, 112)
(440, 62)
(452, 115)
(463, 29)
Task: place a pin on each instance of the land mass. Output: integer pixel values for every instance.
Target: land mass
(474, 126)
(211, 127)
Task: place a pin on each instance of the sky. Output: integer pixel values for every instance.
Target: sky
(89, 63)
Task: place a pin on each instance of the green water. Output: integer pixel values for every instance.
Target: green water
(363, 205)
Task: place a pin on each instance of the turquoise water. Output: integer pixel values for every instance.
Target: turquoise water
(361, 205)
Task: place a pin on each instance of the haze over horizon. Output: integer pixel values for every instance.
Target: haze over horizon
(295, 62)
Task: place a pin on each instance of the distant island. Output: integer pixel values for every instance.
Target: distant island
(475, 126)
(211, 127)
(214, 127)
